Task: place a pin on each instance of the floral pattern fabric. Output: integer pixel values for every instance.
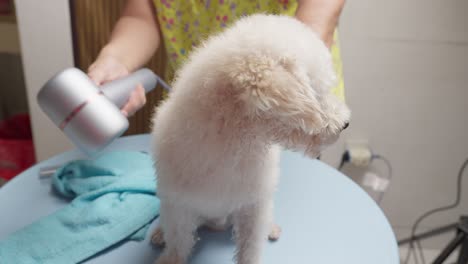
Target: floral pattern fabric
(185, 23)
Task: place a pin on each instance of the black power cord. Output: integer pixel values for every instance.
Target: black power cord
(433, 211)
(344, 158)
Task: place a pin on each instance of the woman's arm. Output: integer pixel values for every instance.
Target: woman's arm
(321, 15)
(133, 42)
(135, 37)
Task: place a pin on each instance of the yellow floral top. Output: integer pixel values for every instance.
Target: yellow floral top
(185, 23)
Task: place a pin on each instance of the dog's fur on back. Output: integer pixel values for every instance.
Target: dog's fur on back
(263, 83)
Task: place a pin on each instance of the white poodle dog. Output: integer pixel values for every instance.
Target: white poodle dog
(263, 83)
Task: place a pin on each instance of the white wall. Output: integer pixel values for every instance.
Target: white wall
(46, 48)
(406, 77)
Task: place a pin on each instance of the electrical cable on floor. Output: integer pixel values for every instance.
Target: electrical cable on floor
(416, 261)
(437, 210)
(421, 253)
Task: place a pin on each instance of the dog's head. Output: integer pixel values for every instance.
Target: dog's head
(284, 78)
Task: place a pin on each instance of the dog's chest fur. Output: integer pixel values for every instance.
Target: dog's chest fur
(222, 162)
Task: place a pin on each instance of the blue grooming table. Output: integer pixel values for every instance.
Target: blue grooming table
(325, 217)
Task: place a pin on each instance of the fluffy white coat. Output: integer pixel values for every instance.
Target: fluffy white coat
(263, 83)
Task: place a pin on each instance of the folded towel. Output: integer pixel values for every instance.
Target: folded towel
(113, 200)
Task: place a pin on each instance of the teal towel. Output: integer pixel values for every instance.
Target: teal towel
(113, 200)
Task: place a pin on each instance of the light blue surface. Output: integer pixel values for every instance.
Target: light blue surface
(325, 217)
(113, 200)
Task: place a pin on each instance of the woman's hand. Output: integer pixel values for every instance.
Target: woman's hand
(107, 68)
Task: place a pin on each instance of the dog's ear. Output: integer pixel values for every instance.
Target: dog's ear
(276, 89)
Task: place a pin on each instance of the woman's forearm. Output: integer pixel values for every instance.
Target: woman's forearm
(321, 15)
(135, 37)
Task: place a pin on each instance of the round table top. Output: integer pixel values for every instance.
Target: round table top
(325, 217)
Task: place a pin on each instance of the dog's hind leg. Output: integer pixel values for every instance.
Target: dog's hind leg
(251, 227)
(179, 225)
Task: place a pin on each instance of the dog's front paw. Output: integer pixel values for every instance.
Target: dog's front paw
(157, 238)
(275, 233)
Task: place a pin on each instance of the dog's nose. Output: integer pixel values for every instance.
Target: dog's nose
(346, 125)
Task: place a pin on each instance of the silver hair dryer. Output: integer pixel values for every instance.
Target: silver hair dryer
(90, 116)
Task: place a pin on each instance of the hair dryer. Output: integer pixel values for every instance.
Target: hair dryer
(90, 116)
